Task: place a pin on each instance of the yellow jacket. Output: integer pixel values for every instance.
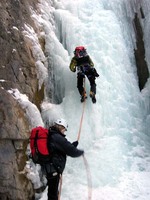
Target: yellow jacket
(79, 62)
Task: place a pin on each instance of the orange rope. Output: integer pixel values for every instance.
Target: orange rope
(89, 178)
(81, 120)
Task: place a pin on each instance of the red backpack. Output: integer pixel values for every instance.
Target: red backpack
(38, 145)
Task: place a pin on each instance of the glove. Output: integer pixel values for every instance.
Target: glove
(75, 143)
(94, 72)
(74, 70)
(82, 152)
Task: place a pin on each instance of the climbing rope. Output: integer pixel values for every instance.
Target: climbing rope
(89, 179)
(81, 120)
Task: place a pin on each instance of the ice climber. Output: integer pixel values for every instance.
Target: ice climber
(60, 148)
(85, 67)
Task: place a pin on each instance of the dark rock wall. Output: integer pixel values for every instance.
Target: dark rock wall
(17, 60)
(17, 69)
(142, 68)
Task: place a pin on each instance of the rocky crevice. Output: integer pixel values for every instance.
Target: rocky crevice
(139, 52)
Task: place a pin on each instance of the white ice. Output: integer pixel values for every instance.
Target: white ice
(115, 130)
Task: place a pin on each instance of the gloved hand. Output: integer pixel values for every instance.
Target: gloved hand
(74, 70)
(94, 72)
(75, 143)
(83, 152)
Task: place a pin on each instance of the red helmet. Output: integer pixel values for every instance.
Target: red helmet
(80, 48)
(80, 51)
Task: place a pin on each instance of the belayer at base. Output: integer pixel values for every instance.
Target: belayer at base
(85, 67)
(56, 147)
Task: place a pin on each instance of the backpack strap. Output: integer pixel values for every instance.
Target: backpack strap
(35, 141)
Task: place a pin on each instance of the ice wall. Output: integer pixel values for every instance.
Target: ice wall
(115, 134)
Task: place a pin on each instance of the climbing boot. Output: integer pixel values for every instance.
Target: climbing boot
(92, 95)
(83, 97)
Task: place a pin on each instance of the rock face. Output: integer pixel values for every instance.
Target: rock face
(17, 70)
(142, 68)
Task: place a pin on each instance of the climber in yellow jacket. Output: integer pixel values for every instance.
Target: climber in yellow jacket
(85, 67)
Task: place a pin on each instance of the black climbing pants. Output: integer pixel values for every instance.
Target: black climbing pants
(80, 78)
(53, 184)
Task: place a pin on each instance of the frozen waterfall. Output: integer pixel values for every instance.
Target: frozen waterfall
(115, 134)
